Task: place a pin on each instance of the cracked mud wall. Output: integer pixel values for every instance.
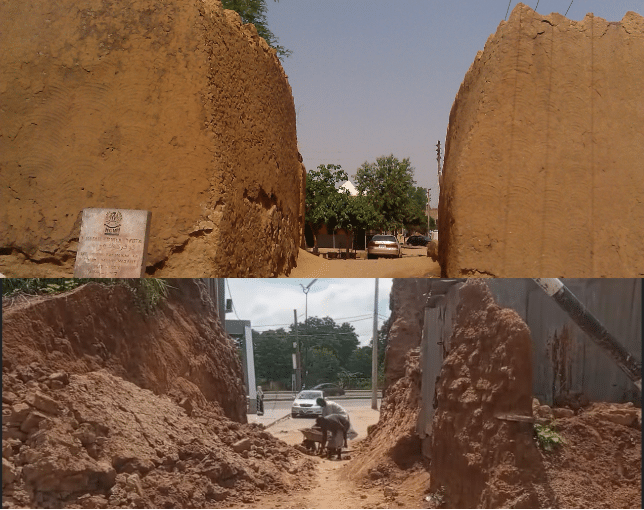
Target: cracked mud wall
(544, 150)
(173, 107)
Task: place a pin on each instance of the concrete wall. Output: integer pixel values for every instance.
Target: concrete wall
(564, 358)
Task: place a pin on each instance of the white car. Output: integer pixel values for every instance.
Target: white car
(384, 246)
(305, 404)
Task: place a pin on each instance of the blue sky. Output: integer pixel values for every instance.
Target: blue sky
(374, 77)
(270, 302)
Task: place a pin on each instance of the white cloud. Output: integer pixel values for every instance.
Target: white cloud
(271, 301)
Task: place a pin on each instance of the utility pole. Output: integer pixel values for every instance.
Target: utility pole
(297, 360)
(438, 160)
(429, 207)
(306, 330)
(374, 354)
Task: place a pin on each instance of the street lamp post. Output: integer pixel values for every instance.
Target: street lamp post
(306, 317)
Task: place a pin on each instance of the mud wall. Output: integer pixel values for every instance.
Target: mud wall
(478, 460)
(407, 304)
(173, 107)
(180, 351)
(544, 151)
(565, 362)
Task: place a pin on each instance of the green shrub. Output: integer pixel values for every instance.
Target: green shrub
(148, 292)
(547, 437)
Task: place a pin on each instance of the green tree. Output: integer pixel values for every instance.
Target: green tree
(272, 351)
(389, 184)
(333, 207)
(254, 11)
(383, 340)
(322, 197)
(342, 340)
(417, 216)
(355, 213)
(317, 333)
(323, 367)
(360, 362)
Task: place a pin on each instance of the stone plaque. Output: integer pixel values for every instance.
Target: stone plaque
(113, 243)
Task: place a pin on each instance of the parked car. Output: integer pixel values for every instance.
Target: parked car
(305, 404)
(383, 245)
(418, 240)
(329, 390)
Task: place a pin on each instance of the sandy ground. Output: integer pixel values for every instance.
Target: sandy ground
(332, 488)
(413, 264)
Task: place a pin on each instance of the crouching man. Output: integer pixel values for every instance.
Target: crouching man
(338, 426)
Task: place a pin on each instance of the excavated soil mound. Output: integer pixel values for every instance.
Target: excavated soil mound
(549, 120)
(390, 457)
(96, 441)
(178, 349)
(477, 459)
(169, 106)
(600, 464)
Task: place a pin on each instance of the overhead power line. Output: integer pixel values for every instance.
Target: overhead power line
(357, 318)
(290, 323)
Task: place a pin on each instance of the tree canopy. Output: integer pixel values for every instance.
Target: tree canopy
(417, 215)
(389, 184)
(323, 367)
(254, 11)
(326, 350)
(323, 200)
(333, 207)
(273, 361)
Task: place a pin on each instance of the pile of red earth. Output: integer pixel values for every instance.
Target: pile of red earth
(105, 406)
(600, 463)
(390, 456)
(97, 441)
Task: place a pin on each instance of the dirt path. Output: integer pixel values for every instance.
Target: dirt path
(331, 490)
(332, 486)
(309, 265)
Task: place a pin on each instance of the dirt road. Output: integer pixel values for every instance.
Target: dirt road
(332, 490)
(332, 487)
(413, 264)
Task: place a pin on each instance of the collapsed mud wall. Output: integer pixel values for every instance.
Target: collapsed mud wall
(94, 440)
(173, 107)
(407, 304)
(544, 147)
(180, 350)
(479, 460)
(393, 440)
